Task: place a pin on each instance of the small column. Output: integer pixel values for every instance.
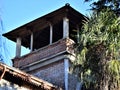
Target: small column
(66, 71)
(31, 42)
(18, 47)
(51, 33)
(78, 34)
(65, 27)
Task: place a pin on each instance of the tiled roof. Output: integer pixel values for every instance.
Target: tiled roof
(21, 78)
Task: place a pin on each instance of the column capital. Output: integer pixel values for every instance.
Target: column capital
(65, 18)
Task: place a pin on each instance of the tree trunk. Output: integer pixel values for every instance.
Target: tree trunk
(104, 80)
(104, 85)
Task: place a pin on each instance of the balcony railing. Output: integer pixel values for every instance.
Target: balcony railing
(61, 46)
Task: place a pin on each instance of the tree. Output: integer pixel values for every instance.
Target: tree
(103, 4)
(99, 52)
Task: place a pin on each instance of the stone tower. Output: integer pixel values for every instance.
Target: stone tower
(51, 40)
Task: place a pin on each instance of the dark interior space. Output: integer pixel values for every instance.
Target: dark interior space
(58, 31)
(41, 38)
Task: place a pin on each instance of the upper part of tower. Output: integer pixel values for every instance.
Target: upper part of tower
(51, 40)
(59, 24)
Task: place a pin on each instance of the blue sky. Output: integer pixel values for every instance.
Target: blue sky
(15, 13)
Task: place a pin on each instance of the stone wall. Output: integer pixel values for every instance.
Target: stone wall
(73, 80)
(53, 73)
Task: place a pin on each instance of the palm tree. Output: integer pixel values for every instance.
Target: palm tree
(99, 52)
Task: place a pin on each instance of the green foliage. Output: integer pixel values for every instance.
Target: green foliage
(99, 50)
(103, 4)
(113, 67)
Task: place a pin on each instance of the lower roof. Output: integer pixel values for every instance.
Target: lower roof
(21, 78)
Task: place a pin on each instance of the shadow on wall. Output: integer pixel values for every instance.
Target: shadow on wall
(74, 83)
